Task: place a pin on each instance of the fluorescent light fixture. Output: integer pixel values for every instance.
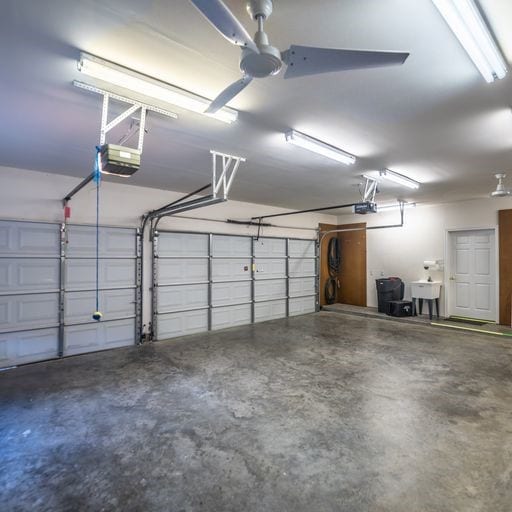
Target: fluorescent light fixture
(400, 179)
(150, 87)
(395, 206)
(466, 22)
(317, 146)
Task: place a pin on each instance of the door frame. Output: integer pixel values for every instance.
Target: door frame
(447, 265)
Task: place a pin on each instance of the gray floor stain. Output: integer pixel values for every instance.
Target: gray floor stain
(324, 412)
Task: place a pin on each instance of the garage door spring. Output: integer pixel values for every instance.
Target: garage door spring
(333, 265)
(97, 179)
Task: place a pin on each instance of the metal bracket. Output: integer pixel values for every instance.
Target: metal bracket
(220, 185)
(139, 335)
(370, 189)
(230, 165)
(62, 288)
(135, 106)
(154, 290)
(106, 126)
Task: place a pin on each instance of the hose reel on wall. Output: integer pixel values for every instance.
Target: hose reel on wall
(333, 266)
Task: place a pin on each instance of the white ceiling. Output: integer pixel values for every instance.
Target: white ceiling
(434, 119)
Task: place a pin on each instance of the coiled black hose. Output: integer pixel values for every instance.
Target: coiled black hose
(333, 257)
(330, 291)
(333, 265)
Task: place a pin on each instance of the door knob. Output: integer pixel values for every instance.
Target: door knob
(452, 278)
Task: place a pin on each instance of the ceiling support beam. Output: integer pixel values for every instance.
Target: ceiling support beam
(310, 210)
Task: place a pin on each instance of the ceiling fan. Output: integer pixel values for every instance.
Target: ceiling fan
(500, 191)
(259, 59)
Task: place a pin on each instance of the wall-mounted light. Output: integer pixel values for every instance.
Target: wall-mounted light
(317, 146)
(150, 87)
(398, 178)
(466, 22)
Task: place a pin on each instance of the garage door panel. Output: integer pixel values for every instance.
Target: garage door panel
(231, 293)
(231, 316)
(270, 248)
(23, 312)
(80, 339)
(229, 276)
(271, 310)
(114, 304)
(300, 306)
(29, 239)
(81, 274)
(171, 325)
(270, 268)
(177, 271)
(180, 298)
(117, 288)
(231, 246)
(301, 248)
(28, 346)
(231, 269)
(182, 245)
(302, 267)
(113, 242)
(275, 289)
(25, 275)
(302, 286)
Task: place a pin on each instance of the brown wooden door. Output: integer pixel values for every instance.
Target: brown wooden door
(505, 236)
(352, 273)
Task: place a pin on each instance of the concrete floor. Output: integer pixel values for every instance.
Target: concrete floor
(325, 412)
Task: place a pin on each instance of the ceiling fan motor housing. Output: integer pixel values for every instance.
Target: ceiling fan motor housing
(259, 65)
(257, 8)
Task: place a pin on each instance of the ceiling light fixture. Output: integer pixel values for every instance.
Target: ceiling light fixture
(398, 178)
(317, 146)
(466, 22)
(501, 190)
(150, 87)
(388, 207)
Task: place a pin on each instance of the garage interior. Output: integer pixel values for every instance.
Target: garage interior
(257, 273)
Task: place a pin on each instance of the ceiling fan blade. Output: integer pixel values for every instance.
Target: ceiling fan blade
(307, 60)
(228, 94)
(225, 22)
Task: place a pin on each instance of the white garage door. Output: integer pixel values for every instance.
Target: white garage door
(303, 273)
(207, 281)
(180, 284)
(270, 279)
(29, 292)
(231, 277)
(117, 285)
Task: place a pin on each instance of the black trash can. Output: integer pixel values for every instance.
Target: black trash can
(388, 288)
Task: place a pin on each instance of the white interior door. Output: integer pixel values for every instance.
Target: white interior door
(472, 278)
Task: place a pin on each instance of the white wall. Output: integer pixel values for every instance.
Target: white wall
(401, 251)
(29, 195)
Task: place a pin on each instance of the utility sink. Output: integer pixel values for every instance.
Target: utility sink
(426, 289)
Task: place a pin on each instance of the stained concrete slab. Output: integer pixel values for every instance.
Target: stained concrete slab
(324, 412)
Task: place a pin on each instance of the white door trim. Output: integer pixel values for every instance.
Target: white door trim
(447, 266)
